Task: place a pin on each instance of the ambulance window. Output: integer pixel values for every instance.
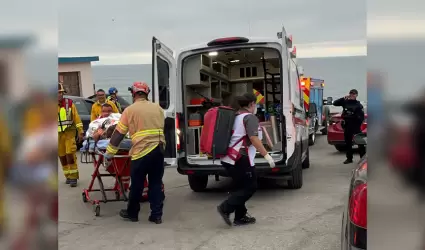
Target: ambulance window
(296, 92)
(163, 83)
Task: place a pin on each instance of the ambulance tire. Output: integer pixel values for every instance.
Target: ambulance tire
(198, 183)
(296, 182)
(306, 162)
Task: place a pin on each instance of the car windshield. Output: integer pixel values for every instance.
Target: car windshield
(81, 107)
(125, 99)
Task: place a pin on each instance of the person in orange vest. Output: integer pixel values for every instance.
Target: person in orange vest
(144, 121)
(68, 122)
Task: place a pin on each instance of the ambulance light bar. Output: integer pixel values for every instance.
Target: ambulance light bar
(228, 41)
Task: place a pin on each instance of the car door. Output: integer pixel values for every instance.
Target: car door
(164, 93)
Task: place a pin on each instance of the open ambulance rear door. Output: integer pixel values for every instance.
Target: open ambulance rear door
(164, 93)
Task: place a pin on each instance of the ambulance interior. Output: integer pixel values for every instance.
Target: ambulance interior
(221, 75)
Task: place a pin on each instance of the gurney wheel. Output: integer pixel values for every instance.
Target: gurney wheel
(96, 209)
(84, 197)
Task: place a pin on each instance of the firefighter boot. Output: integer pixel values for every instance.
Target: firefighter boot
(73, 182)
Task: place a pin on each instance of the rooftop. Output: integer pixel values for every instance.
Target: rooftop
(86, 59)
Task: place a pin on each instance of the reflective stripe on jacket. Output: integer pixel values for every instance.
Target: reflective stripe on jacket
(64, 116)
(144, 121)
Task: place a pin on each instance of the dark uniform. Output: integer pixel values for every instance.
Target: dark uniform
(353, 116)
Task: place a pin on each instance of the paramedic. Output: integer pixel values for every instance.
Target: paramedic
(353, 117)
(144, 121)
(68, 122)
(240, 162)
(113, 98)
(97, 106)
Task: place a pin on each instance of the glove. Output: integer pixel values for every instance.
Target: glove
(270, 160)
(107, 160)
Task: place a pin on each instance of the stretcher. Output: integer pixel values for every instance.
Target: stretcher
(119, 169)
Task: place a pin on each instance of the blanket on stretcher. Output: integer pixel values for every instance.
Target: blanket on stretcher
(102, 144)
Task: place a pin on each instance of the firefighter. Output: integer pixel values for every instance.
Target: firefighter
(96, 109)
(113, 98)
(144, 121)
(353, 117)
(68, 122)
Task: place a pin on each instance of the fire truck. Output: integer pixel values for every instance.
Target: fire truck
(313, 102)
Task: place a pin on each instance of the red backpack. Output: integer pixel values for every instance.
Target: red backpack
(217, 131)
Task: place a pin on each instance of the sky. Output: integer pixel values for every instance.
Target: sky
(120, 32)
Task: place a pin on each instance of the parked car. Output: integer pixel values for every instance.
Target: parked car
(336, 132)
(354, 218)
(123, 100)
(83, 106)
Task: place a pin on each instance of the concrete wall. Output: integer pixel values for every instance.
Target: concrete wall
(86, 75)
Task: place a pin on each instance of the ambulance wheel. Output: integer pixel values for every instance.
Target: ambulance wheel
(96, 209)
(306, 162)
(312, 139)
(198, 183)
(296, 182)
(84, 197)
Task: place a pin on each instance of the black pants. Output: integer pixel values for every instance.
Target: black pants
(349, 132)
(245, 180)
(151, 165)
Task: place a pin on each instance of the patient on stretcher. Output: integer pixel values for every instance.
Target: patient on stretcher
(100, 131)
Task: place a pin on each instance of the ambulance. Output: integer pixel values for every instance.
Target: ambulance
(313, 101)
(189, 82)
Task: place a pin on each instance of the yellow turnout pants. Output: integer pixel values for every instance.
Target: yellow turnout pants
(67, 151)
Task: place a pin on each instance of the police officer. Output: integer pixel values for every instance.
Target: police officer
(353, 116)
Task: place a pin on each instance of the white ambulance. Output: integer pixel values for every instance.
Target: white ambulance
(187, 83)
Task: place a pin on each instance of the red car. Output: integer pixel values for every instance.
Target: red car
(336, 132)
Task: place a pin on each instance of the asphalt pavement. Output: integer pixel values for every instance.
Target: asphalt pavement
(308, 218)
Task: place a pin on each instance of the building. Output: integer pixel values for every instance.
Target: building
(76, 75)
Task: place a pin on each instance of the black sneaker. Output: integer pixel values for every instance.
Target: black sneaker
(224, 215)
(247, 219)
(155, 220)
(348, 161)
(124, 215)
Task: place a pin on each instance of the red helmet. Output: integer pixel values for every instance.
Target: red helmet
(140, 87)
